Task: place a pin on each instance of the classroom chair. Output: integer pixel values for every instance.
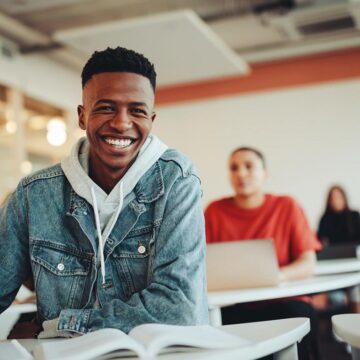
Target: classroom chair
(347, 328)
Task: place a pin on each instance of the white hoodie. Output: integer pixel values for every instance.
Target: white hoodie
(107, 207)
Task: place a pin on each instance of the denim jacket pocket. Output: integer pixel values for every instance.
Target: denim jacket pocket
(60, 275)
(131, 257)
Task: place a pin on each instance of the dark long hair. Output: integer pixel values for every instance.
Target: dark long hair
(347, 211)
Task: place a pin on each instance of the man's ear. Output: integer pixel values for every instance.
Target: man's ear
(153, 116)
(81, 117)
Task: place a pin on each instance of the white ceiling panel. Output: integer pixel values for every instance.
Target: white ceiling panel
(182, 47)
(247, 31)
(23, 6)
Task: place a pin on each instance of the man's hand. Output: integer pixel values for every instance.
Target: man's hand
(303, 267)
(25, 330)
(51, 331)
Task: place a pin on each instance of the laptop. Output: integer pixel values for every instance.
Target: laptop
(339, 251)
(241, 264)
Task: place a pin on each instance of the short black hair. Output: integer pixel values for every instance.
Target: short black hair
(118, 59)
(258, 153)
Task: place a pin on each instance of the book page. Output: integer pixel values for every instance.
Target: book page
(155, 337)
(88, 346)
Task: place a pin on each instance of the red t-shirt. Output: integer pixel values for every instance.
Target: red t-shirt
(279, 218)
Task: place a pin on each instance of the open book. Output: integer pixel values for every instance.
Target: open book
(146, 341)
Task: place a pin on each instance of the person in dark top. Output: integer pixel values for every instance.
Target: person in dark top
(339, 224)
(339, 232)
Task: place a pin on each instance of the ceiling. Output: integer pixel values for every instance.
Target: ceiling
(183, 48)
(188, 40)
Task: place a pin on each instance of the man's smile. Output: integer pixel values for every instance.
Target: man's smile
(119, 143)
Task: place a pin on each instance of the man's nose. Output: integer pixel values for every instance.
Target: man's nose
(241, 172)
(121, 120)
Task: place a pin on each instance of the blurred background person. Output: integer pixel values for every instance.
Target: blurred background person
(252, 214)
(339, 232)
(339, 224)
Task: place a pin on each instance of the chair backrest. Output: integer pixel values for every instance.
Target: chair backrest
(347, 328)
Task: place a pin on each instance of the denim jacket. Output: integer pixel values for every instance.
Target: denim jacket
(154, 256)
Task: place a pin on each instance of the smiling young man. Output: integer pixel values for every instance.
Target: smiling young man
(253, 214)
(114, 235)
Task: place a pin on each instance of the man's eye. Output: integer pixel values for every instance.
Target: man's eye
(138, 111)
(104, 108)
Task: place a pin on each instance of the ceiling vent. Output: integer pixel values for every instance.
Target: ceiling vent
(338, 24)
(324, 21)
(315, 21)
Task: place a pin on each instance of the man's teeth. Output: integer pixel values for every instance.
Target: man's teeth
(119, 142)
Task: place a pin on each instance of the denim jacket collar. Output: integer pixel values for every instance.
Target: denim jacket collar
(151, 186)
(76, 202)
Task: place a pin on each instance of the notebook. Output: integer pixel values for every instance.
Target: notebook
(241, 264)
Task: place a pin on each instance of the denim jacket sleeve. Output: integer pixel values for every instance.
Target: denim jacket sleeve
(177, 291)
(14, 248)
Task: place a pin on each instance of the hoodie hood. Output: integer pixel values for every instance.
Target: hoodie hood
(107, 207)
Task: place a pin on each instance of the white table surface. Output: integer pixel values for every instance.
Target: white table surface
(312, 285)
(9, 317)
(268, 337)
(329, 275)
(338, 266)
(20, 309)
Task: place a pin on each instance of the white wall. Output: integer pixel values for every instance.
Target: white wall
(309, 135)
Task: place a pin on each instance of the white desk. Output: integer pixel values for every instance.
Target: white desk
(338, 266)
(9, 317)
(316, 284)
(277, 337)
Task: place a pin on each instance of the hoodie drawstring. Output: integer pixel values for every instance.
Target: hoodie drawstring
(98, 227)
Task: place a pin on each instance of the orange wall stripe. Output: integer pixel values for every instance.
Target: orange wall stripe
(326, 67)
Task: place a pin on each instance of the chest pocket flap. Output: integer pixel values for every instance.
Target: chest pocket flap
(136, 244)
(61, 260)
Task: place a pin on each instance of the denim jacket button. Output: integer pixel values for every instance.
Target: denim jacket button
(141, 249)
(60, 266)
